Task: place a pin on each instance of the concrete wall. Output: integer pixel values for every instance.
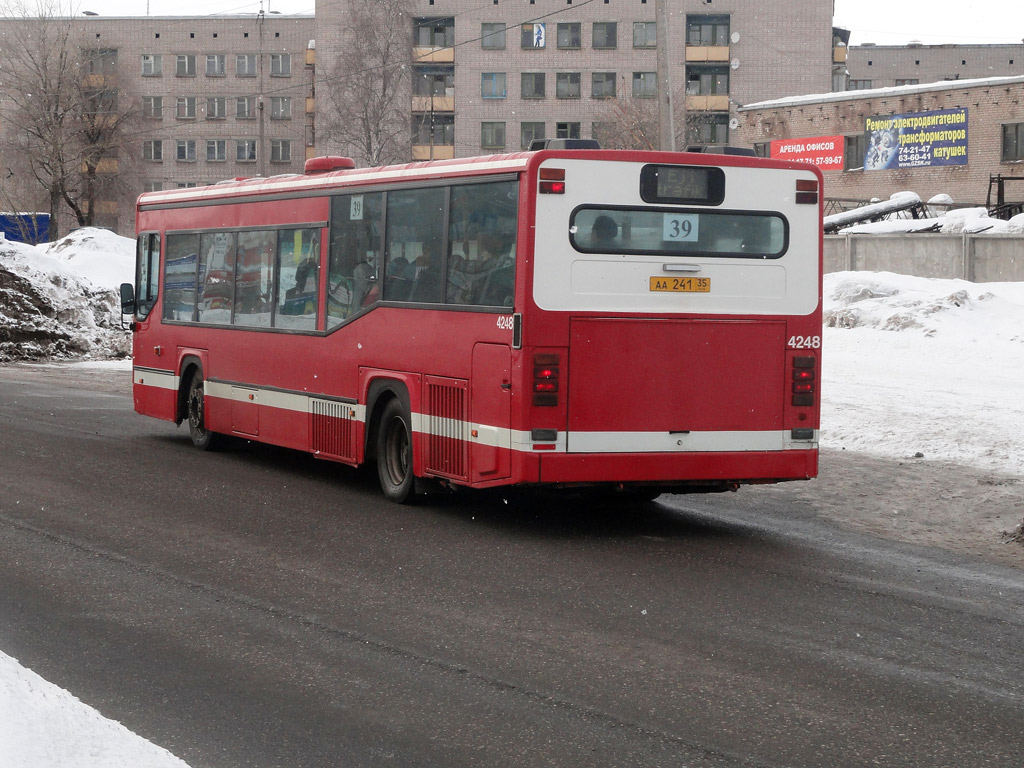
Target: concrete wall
(978, 258)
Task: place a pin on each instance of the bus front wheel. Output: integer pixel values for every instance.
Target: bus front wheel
(202, 438)
(394, 453)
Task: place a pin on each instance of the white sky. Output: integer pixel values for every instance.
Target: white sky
(885, 22)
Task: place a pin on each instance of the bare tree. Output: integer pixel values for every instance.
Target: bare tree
(368, 84)
(62, 121)
(633, 123)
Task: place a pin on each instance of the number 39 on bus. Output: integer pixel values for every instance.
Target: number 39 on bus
(641, 322)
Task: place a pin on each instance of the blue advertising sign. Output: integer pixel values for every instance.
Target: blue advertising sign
(916, 139)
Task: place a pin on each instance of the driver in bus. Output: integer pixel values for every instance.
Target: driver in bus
(603, 232)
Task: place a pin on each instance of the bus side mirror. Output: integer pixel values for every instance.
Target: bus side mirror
(127, 304)
(127, 299)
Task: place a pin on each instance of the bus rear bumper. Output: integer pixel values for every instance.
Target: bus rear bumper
(734, 468)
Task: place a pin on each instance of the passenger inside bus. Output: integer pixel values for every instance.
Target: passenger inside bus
(603, 232)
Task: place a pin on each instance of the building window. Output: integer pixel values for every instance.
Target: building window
(435, 33)
(280, 65)
(567, 130)
(645, 85)
(534, 36)
(245, 150)
(1013, 142)
(216, 65)
(859, 85)
(280, 107)
(151, 65)
(907, 81)
(153, 150)
(492, 36)
(245, 65)
(185, 108)
(100, 61)
(762, 149)
(216, 108)
(433, 81)
(529, 133)
(185, 65)
(707, 30)
(436, 130)
(153, 186)
(185, 151)
(707, 81)
(216, 151)
(569, 35)
(602, 85)
(605, 34)
(492, 85)
(853, 152)
(280, 151)
(492, 135)
(567, 85)
(153, 107)
(707, 128)
(645, 34)
(186, 185)
(245, 108)
(533, 85)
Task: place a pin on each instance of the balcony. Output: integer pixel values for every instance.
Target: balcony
(433, 103)
(696, 53)
(712, 102)
(436, 152)
(422, 55)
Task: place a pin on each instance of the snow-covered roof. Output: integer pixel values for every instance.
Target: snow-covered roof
(875, 93)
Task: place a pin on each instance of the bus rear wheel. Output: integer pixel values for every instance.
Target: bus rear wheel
(195, 403)
(394, 453)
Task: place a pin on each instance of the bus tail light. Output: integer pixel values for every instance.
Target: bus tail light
(807, 191)
(804, 381)
(552, 181)
(546, 373)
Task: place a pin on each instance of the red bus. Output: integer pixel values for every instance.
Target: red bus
(646, 322)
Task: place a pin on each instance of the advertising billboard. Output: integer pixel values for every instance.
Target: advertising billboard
(916, 139)
(826, 152)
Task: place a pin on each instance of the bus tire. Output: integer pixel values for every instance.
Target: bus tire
(195, 405)
(394, 453)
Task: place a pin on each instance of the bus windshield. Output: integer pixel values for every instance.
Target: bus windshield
(678, 232)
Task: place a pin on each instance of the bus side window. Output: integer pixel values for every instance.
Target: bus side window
(180, 277)
(217, 277)
(254, 278)
(298, 279)
(414, 233)
(353, 259)
(481, 262)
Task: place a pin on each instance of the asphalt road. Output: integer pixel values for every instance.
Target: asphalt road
(256, 607)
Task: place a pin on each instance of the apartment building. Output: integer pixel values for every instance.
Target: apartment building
(885, 66)
(494, 76)
(215, 97)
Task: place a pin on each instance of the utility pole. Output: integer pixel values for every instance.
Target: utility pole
(261, 157)
(666, 117)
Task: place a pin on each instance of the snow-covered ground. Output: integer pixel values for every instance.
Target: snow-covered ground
(910, 366)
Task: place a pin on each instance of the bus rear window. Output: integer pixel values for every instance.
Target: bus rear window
(678, 232)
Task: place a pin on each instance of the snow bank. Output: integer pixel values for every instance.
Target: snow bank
(917, 365)
(60, 300)
(43, 726)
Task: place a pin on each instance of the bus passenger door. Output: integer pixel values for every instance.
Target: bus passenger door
(490, 413)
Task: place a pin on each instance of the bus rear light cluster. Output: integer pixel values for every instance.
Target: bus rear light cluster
(545, 379)
(804, 381)
(807, 191)
(552, 181)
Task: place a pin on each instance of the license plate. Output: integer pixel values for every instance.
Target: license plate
(681, 284)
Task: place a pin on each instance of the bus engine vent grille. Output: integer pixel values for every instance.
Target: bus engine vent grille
(332, 429)
(446, 428)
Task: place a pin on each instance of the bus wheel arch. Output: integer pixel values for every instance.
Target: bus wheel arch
(389, 439)
(192, 405)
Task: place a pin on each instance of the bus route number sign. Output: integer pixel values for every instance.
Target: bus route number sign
(681, 284)
(680, 227)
